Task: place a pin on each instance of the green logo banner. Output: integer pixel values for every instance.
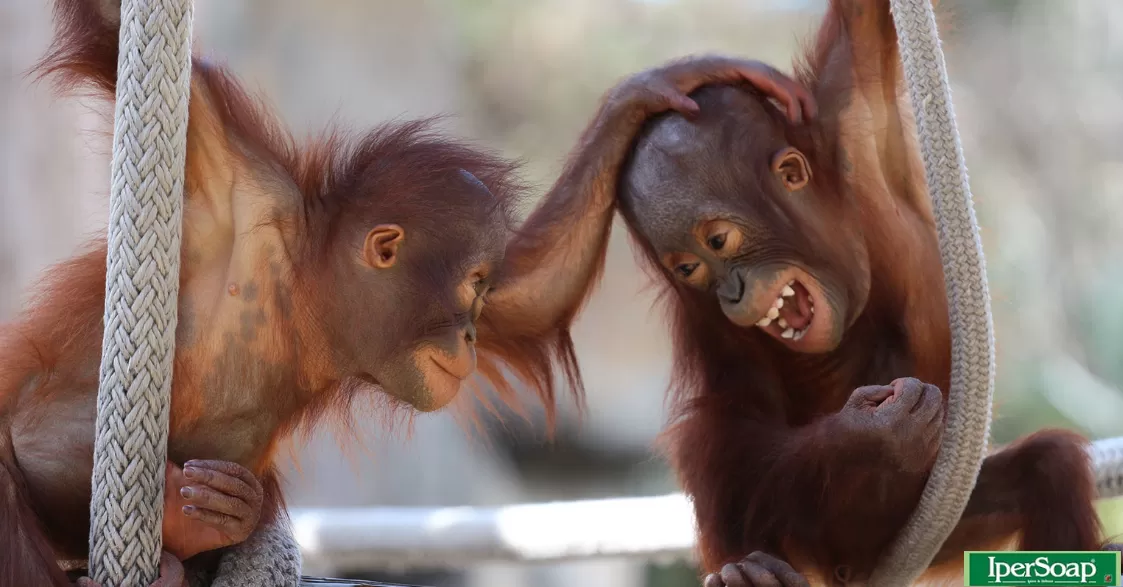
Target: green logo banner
(1042, 569)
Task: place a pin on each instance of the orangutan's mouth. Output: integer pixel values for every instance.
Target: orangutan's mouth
(792, 313)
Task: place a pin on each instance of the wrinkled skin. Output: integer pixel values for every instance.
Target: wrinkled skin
(209, 505)
(732, 234)
(756, 570)
(903, 420)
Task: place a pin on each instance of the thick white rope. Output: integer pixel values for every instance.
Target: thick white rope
(270, 557)
(1107, 462)
(972, 379)
(141, 291)
(142, 287)
(967, 429)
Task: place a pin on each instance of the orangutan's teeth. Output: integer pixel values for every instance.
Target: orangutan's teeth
(812, 309)
(783, 323)
(764, 322)
(788, 333)
(773, 313)
(799, 334)
(788, 292)
(779, 303)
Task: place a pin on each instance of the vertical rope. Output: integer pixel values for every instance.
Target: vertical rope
(967, 429)
(141, 290)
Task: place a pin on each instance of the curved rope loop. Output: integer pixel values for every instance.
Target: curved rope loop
(967, 427)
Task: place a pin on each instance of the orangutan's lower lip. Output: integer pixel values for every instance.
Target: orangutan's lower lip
(447, 371)
(791, 314)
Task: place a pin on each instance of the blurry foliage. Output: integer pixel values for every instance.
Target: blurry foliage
(1042, 140)
(534, 70)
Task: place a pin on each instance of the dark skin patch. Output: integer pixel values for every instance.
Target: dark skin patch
(238, 382)
(192, 258)
(185, 323)
(252, 321)
(844, 161)
(283, 298)
(249, 293)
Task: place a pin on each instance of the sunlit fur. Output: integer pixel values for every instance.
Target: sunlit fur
(304, 199)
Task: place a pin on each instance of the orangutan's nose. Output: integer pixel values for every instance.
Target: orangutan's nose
(731, 289)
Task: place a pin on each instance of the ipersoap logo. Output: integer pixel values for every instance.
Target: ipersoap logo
(1042, 569)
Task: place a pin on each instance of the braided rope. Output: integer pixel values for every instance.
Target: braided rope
(1107, 462)
(141, 290)
(967, 428)
(142, 287)
(269, 558)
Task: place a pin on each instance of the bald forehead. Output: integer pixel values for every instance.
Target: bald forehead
(472, 221)
(683, 169)
(661, 186)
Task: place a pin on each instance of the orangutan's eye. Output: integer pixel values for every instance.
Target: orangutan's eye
(721, 236)
(686, 269)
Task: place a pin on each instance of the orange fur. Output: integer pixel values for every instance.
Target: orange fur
(254, 357)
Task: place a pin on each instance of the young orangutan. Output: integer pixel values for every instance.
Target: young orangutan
(310, 274)
(801, 270)
(812, 347)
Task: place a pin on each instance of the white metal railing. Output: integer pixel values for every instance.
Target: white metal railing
(653, 528)
(451, 537)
